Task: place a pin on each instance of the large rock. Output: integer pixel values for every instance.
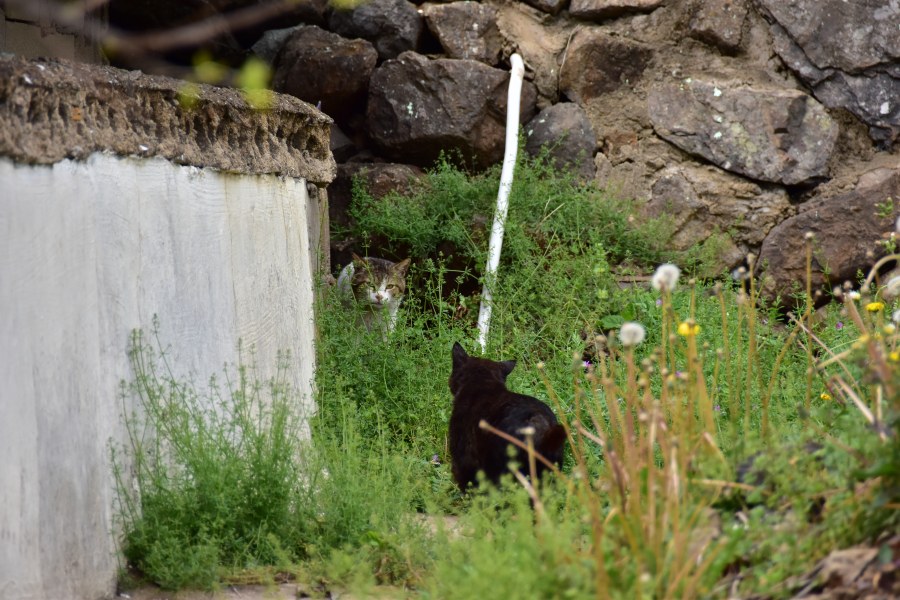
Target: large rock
(770, 134)
(596, 63)
(567, 133)
(705, 204)
(271, 42)
(465, 30)
(419, 108)
(605, 9)
(719, 23)
(539, 41)
(319, 66)
(629, 164)
(846, 225)
(847, 52)
(393, 26)
(342, 147)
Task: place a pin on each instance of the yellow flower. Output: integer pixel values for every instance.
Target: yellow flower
(894, 356)
(825, 396)
(688, 328)
(875, 306)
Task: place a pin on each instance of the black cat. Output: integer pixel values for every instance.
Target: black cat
(479, 392)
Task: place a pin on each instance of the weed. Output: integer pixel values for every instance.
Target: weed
(717, 451)
(217, 482)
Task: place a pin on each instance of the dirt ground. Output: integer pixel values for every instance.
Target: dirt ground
(284, 591)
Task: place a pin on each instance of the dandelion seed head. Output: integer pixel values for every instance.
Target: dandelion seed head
(666, 277)
(631, 334)
(896, 317)
(892, 287)
(853, 295)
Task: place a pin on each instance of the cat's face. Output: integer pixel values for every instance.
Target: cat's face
(467, 367)
(378, 282)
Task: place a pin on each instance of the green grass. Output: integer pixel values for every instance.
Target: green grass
(727, 443)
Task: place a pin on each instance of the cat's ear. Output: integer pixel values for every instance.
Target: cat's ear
(459, 354)
(356, 259)
(401, 267)
(506, 367)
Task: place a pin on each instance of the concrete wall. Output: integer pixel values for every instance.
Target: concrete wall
(118, 202)
(89, 251)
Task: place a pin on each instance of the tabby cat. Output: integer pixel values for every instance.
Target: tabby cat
(376, 287)
(479, 392)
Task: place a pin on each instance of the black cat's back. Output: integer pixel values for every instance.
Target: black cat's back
(480, 393)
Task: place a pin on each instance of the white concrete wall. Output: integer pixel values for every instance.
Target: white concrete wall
(88, 252)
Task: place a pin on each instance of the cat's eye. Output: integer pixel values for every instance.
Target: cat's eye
(392, 286)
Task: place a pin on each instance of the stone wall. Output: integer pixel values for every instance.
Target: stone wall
(735, 116)
(118, 204)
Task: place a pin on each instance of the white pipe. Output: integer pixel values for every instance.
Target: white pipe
(517, 73)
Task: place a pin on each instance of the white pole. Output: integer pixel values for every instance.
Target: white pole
(517, 73)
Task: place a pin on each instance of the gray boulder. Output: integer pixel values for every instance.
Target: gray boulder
(466, 30)
(319, 66)
(539, 40)
(719, 23)
(847, 226)
(420, 107)
(270, 43)
(342, 147)
(847, 52)
(770, 134)
(596, 63)
(567, 133)
(393, 26)
(707, 205)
